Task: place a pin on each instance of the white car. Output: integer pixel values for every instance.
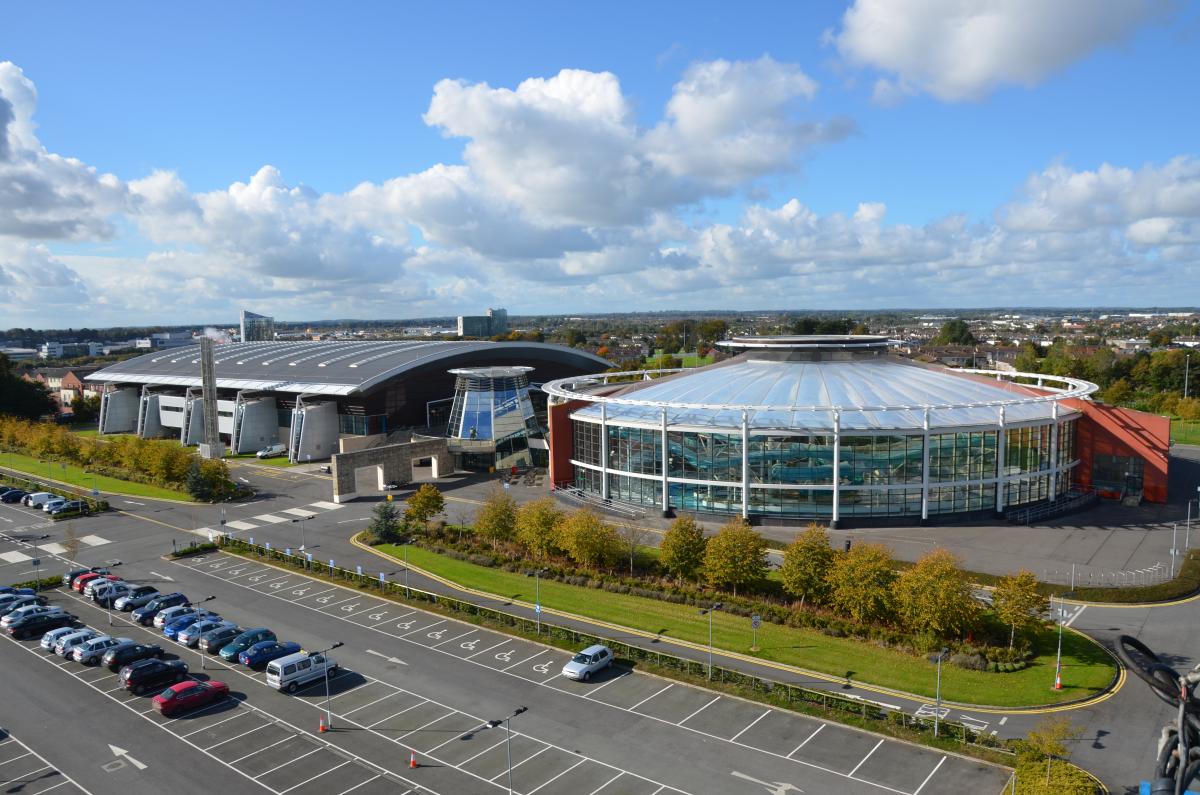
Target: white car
(65, 646)
(27, 610)
(591, 660)
(164, 617)
(138, 596)
(190, 636)
(90, 651)
(51, 638)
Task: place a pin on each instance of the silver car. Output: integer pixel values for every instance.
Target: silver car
(137, 597)
(164, 617)
(27, 610)
(190, 636)
(591, 660)
(51, 638)
(65, 646)
(90, 651)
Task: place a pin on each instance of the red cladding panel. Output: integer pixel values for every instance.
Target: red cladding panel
(1109, 430)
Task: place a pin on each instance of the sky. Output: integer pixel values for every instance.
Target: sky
(170, 163)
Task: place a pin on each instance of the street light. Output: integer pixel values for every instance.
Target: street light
(492, 724)
(301, 521)
(328, 715)
(537, 596)
(407, 593)
(196, 612)
(1187, 536)
(709, 612)
(937, 707)
(1058, 660)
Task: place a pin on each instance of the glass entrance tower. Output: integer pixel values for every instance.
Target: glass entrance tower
(492, 420)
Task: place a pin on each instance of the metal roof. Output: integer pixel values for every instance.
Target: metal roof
(878, 393)
(324, 368)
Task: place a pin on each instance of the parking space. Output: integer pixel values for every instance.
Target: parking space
(450, 737)
(23, 770)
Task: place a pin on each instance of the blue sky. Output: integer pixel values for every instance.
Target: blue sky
(814, 155)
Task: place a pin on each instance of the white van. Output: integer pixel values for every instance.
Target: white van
(39, 498)
(272, 450)
(294, 671)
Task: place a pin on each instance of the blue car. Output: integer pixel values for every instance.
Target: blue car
(262, 653)
(8, 589)
(145, 615)
(173, 629)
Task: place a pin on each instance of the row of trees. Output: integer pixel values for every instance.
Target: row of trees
(21, 398)
(162, 462)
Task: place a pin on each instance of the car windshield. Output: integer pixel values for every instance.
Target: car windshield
(581, 658)
(167, 694)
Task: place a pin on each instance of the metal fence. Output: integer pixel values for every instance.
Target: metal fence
(769, 691)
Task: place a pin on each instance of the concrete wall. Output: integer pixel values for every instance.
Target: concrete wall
(260, 425)
(318, 434)
(394, 463)
(349, 444)
(194, 433)
(167, 417)
(149, 421)
(118, 411)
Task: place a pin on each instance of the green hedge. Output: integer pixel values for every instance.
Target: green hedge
(44, 584)
(193, 548)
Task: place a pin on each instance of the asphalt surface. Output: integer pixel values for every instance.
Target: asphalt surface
(1117, 735)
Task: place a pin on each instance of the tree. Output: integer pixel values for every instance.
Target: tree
(385, 524)
(681, 553)
(424, 504)
(806, 564)
(735, 556)
(195, 484)
(22, 398)
(1118, 392)
(1018, 603)
(86, 409)
(589, 540)
(537, 527)
(1049, 738)
(955, 332)
(632, 536)
(207, 480)
(496, 519)
(860, 583)
(934, 596)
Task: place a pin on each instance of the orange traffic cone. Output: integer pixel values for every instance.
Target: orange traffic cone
(412, 760)
(1058, 680)
(323, 728)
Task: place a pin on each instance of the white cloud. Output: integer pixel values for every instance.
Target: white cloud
(33, 282)
(962, 49)
(44, 196)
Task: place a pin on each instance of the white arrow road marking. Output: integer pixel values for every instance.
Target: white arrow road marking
(243, 479)
(119, 752)
(163, 576)
(395, 660)
(131, 502)
(773, 787)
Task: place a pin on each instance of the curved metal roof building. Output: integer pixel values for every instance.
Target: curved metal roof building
(818, 427)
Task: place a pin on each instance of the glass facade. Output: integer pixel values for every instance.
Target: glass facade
(492, 414)
(878, 475)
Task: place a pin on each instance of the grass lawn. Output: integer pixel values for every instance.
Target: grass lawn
(1086, 668)
(77, 477)
(1185, 431)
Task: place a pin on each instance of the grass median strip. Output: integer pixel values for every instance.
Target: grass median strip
(1087, 669)
(81, 479)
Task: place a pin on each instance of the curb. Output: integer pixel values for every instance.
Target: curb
(1114, 686)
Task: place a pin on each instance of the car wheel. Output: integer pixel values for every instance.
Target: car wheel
(586, 676)
(292, 687)
(139, 690)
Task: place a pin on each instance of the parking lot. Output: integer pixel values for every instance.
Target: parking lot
(804, 749)
(23, 770)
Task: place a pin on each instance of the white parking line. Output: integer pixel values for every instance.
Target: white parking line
(756, 720)
(291, 761)
(605, 784)
(305, 781)
(647, 698)
(214, 725)
(260, 750)
(560, 775)
(545, 748)
(527, 659)
(456, 637)
(864, 759)
(369, 703)
(917, 791)
(697, 712)
(489, 648)
(472, 758)
(422, 629)
(593, 691)
(356, 786)
(806, 739)
(426, 725)
(401, 712)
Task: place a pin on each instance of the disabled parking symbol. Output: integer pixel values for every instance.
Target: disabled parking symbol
(542, 668)
(325, 600)
(278, 585)
(350, 608)
(236, 571)
(300, 592)
(470, 645)
(436, 635)
(505, 656)
(378, 616)
(405, 625)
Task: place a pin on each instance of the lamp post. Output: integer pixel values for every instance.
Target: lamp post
(937, 707)
(492, 724)
(407, 593)
(709, 612)
(328, 714)
(301, 520)
(1187, 367)
(1058, 658)
(537, 597)
(1187, 535)
(196, 612)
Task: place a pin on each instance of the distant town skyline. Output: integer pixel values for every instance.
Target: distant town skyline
(171, 165)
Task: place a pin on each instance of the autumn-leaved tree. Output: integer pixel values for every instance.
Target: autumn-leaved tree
(1049, 738)
(589, 540)
(806, 564)
(735, 556)
(935, 596)
(860, 582)
(424, 504)
(496, 519)
(681, 553)
(1018, 603)
(632, 536)
(537, 527)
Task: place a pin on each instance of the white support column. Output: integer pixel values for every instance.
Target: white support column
(604, 451)
(745, 466)
(666, 462)
(1000, 445)
(837, 467)
(1054, 450)
(925, 469)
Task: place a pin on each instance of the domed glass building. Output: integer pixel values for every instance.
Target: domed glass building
(824, 428)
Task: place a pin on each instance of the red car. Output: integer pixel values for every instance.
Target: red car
(189, 695)
(84, 579)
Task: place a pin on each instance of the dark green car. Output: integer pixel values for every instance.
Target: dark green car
(244, 641)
